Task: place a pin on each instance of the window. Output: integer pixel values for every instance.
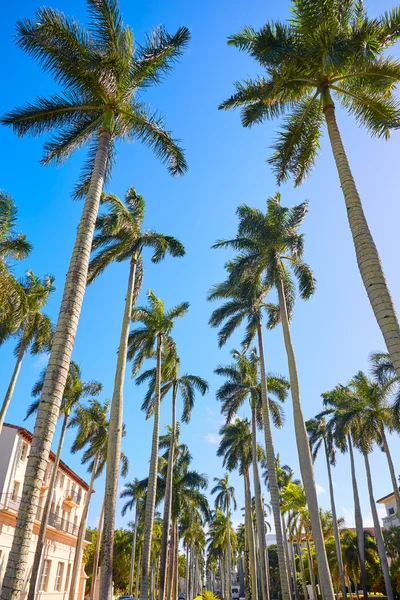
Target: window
(44, 577)
(14, 495)
(67, 578)
(391, 511)
(24, 452)
(59, 576)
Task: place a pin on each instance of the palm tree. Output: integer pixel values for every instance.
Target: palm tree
(237, 449)
(246, 301)
(327, 53)
(187, 385)
(223, 500)
(120, 237)
(320, 437)
(384, 372)
(34, 331)
(13, 246)
(272, 248)
(102, 73)
(144, 342)
(137, 501)
(349, 544)
(243, 382)
(221, 534)
(74, 392)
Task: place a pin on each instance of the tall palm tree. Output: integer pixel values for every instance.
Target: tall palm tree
(243, 382)
(223, 500)
(327, 53)
(120, 237)
(144, 342)
(245, 301)
(236, 447)
(384, 372)
(74, 392)
(186, 385)
(320, 437)
(93, 435)
(101, 73)
(137, 501)
(34, 331)
(272, 248)
(13, 246)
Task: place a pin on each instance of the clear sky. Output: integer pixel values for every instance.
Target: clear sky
(333, 333)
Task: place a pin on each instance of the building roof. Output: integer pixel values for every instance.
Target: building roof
(28, 436)
(385, 498)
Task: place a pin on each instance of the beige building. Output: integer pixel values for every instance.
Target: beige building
(391, 518)
(66, 511)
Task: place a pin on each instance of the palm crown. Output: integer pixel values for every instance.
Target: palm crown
(13, 245)
(102, 71)
(319, 435)
(329, 51)
(225, 493)
(236, 446)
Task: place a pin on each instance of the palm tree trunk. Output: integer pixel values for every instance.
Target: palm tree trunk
(259, 509)
(378, 532)
(391, 469)
(250, 536)
(138, 571)
(171, 562)
(355, 586)
(168, 500)
(114, 444)
(335, 525)
(11, 386)
(187, 573)
(228, 556)
(303, 577)
(132, 565)
(305, 460)
(311, 568)
(97, 552)
(272, 475)
(46, 514)
(175, 586)
(368, 260)
(75, 577)
(152, 485)
(358, 520)
(56, 372)
(294, 572)
(284, 532)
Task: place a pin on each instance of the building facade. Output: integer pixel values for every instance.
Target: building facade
(65, 515)
(391, 519)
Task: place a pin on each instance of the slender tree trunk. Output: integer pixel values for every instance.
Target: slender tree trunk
(97, 552)
(335, 525)
(391, 469)
(187, 573)
(76, 568)
(355, 586)
(294, 572)
(284, 532)
(46, 513)
(259, 509)
(11, 386)
(228, 556)
(305, 460)
(267, 564)
(303, 577)
(311, 568)
(56, 373)
(272, 475)
(132, 565)
(168, 500)
(114, 444)
(358, 520)
(171, 562)
(138, 571)
(152, 485)
(378, 533)
(176, 570)
(250, 537)
(368, 260)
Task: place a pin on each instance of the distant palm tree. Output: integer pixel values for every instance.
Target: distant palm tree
(102, 73)
(320, 437)
(148, 341)
(187, 386)
(137, 501)
(74, 392)
(13, 246)
(34, 331)
(328, 52)
(223, 500)
(120, 237)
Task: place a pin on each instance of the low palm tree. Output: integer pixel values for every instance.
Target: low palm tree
(34, 332)
(320, 437)
(101, 73)
(186, 385)
(148, 341)
(137, 501)
(243, 382)
(327, 53)
(13, 246)
(74, 392)
(120, 237)
(223, 500)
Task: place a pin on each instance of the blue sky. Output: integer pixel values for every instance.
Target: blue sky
(333, 333)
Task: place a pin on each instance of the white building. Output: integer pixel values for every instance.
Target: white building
(391, 518)
(66, 511)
